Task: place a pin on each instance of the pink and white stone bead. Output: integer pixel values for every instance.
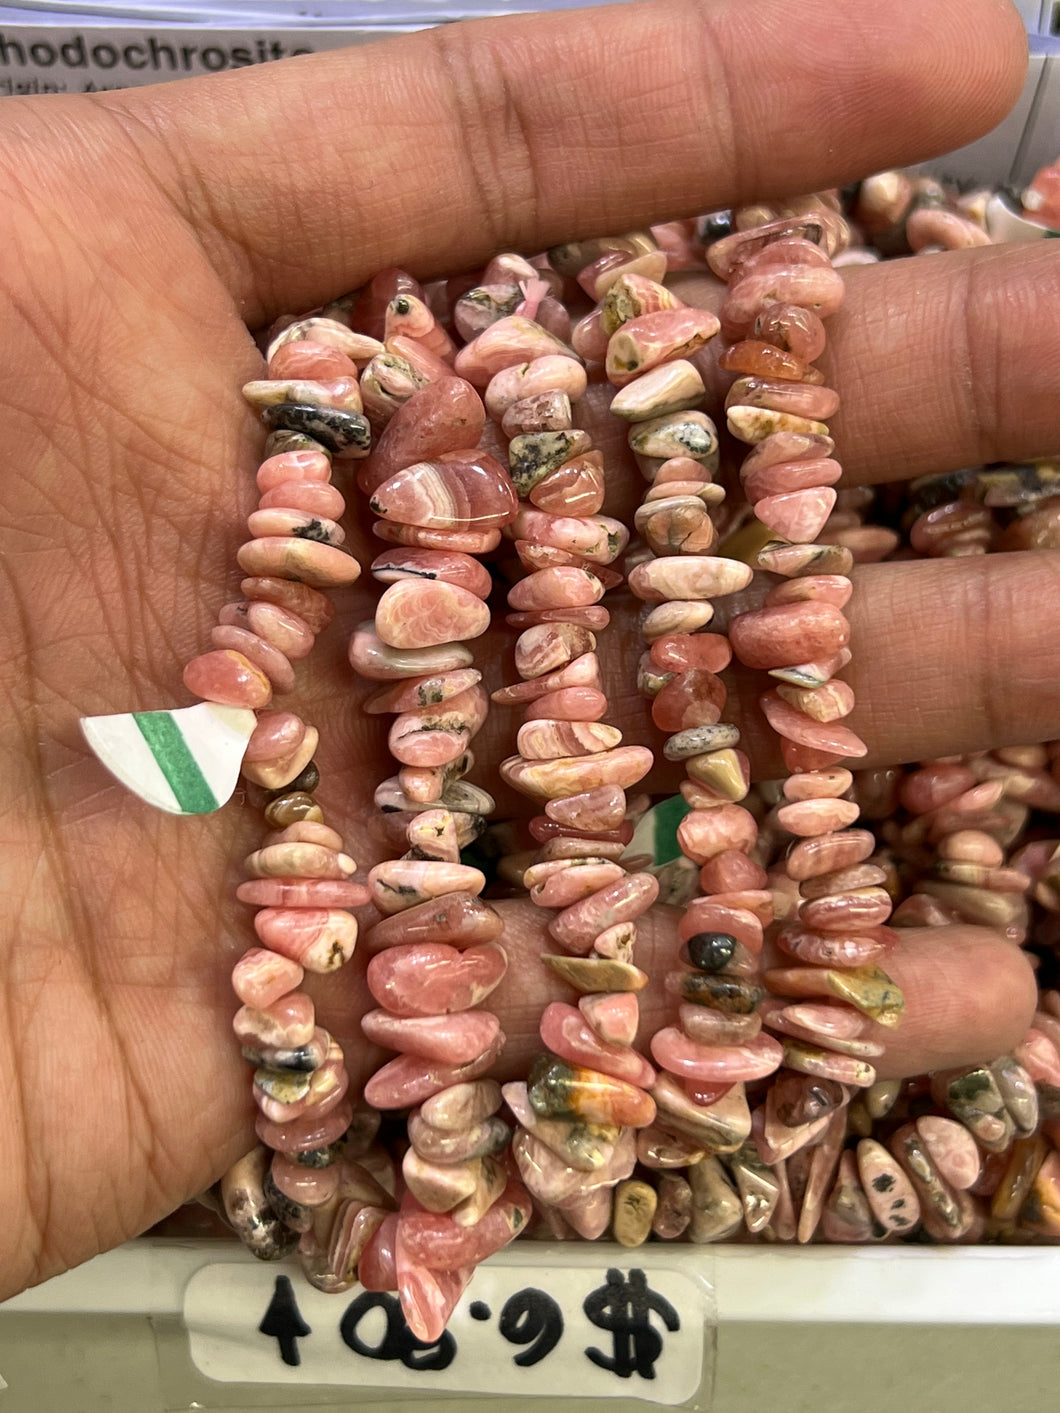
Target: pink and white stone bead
(781, 285)
(437, 951)
(583, 1098)
(717, 1046)
(311, 1193)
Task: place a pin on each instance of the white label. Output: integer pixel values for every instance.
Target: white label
(522, 1328)
(53, 59)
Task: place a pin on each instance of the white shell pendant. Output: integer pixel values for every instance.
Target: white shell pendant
(185, 761)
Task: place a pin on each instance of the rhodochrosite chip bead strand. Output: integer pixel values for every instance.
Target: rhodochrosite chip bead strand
(781, 285)
(583, 1099)
(300, 879)
(437, 953)
(716, 1045)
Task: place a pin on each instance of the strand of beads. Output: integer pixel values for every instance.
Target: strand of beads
(310, 1192)
(440, 501)
(781, 285)
(716, 1046)
(583, 1099)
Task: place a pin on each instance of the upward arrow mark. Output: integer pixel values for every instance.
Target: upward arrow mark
(283, 1321)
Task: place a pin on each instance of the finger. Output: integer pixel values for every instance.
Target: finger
(969, 997)
(436, 149)
(941, 362)
(950, 656)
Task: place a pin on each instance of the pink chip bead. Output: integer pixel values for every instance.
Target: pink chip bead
(567, 1034)
(622, 901)
(450, 1039)
(293, 466)
(302, 893)
(828, 852)
(788, 634)
(377, 1268)
(423, 614)
(810, 818)
(320, 939)
(511, 340)
(312, 607)
(674, 1051)
(261, 977)
(601, 808)
(282, 1025)
(290, 557)
(285, 631)
(306, 359)
(227, 678)
(288, 520)
(310, 1187)
(818, 289)
(799, 516)
(803, 399)
(568, 704)
(393, 565)
(613, 1015)
(839, 912)
(788, 721)
(310, 1130)
(446, 415)
(410, 1079)
(705, 833)
(792, 328)
(311, 497)
(731, 871)
(258, 653)
(432, 978)
(564, 586)
(788, 476)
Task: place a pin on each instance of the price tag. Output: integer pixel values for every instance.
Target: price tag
(598, 1325)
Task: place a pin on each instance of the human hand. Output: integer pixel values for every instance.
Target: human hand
(145, 230)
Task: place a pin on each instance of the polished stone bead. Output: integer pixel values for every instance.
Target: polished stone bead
(248, 1210)
(952, 1149)
(829, 852)
(550, 373)
(867, 988)
(319, 939)
(561, 1091)
(347, 434)
(711, 951)
(460, 490)
(643, 342)
(717, 1211)
(730, 995)
(686, 434)
(415, 614)
(671, 387)
(410, 1079)
(788, 634)
(596, 974)
(693, 577)
(260, 977)
(587, 1147)
(567, 1034)
(633, 1212)
(462, 1105)
(567, 775)
(429, 978)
